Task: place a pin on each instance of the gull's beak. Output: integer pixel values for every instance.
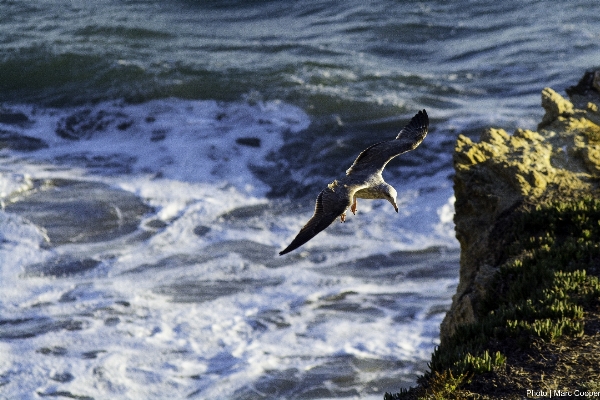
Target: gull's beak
(395, 207)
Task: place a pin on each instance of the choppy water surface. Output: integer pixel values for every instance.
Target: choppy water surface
(155, 157)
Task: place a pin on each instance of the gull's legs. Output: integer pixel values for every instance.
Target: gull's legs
(354, 207)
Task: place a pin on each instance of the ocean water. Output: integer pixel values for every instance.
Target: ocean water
(156, 156)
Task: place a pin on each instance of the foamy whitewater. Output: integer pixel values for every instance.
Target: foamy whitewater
(196, 300)
(156, 156)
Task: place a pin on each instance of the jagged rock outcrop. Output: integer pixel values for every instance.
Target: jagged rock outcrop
(501, 171)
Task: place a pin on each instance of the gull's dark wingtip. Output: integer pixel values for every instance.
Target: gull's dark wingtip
(295, 244)
(422, 118)
(417, 127)
(290, 248)
(298, 241)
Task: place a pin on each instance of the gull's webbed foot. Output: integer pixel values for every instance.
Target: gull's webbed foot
(354, 207)
(343, 217)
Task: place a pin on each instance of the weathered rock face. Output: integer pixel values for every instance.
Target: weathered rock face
(503, 170)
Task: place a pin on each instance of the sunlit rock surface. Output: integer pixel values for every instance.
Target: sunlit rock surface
(501, 170)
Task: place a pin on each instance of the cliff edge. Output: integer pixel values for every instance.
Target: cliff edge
(525, 320)
(502, 171)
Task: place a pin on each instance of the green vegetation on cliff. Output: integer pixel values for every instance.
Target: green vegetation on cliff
(527, 311)
(546, 290)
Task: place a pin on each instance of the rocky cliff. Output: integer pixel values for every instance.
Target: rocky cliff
(501, 171)
(526, 314)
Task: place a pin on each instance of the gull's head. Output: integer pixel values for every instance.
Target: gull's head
(390, 195)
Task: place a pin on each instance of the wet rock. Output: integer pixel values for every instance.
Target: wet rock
(275, 318)
(83, 124)
(589, 82)
(63, 393)
(53, 351)
(584, 95)
(90, 355)
(123, 126)
(156, 224)
(30, 327)
(112, 321)
(201, 230)
(246, 212)
(248, 141)
(158, 135)
(79, 212)
(68, 297)
(61, 267)
(13, 118)
(15, 141)
(63, 377)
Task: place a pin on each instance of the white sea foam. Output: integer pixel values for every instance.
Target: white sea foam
(202, 306)
(191, 141)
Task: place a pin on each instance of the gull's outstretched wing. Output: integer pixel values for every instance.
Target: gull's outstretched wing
(334, 200)
(330, 205)
(374, 158)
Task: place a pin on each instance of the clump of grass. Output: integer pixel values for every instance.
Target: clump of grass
(459, 358)
(545, 285)
(546, 280)
(480, 364)
(557, 311)
(441, 386)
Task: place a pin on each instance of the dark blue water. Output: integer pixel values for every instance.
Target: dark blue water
(155, 157)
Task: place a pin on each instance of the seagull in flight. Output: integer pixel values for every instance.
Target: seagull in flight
(363, 180)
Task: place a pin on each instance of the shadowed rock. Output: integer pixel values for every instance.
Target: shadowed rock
(80, 212)
(29, 327)
(63, 377)
(15, 141)
(61, 267)
(63, 393)
(83, 124)
(13, 118)
(201, 230)
(248, 141)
